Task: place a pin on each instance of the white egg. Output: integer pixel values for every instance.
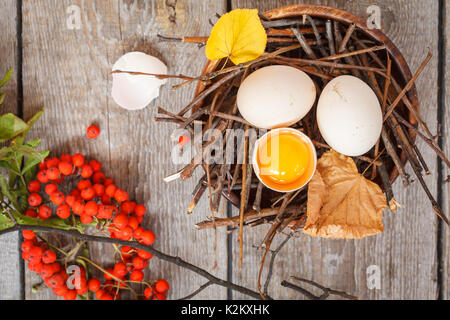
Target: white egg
(276, 96)
(349, 116)
(135, 92)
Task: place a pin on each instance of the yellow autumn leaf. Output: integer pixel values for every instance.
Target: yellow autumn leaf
(342, 204)
(238, 35)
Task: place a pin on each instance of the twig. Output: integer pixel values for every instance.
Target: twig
(430, 142)
(394, 156)
(353, 53)
(347, 36)
(243, 198)
(257, 202)
(196, 292)
(330, 37)
(408, 86)
(327, 291)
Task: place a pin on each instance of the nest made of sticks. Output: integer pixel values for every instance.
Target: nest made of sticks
(325, 43)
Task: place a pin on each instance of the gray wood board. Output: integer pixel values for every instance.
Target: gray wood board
(68, 71)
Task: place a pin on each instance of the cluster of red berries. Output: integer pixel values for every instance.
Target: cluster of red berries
(43, 261)
(94, 197)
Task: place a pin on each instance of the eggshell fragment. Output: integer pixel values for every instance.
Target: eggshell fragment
(349, 116)
(134, 92)
(276, 96)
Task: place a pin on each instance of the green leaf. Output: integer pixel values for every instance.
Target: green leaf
(33, 143)
(5, 222)
(2, 97)
(30, 153)
(52, 222)
(5, 190)
(11, 126)
(4, 151)
(32, 162)
(6, 78)
(20, 140)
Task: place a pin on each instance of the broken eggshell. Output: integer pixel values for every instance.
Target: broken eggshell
(134, 92)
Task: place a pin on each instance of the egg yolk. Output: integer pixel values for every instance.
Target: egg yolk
(283, 158)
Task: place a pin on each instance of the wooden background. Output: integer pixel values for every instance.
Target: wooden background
(67, 71)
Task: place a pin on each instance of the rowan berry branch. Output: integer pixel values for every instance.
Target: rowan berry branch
(160, 255)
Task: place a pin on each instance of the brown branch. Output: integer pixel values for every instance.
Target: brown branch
(353, 53)
(160, 255)
(326, 291)
(196, 292)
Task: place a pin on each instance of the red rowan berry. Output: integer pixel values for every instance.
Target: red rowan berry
(110, 190)
(108, 273)
(86, 219)
(121, 195)
(108, 181)
(91, 208)
(106, 200)
(48, 256)
(42, 176)
(42, 165)
(139, 263)
(28, 234)
(83, 184)
(94, 284)
(127, 207)
(148, 292)
(35, 254)
(36, 267)
(47, 271)
(34, 186)
(52, 162)
(88, 194)
(70, 200)
(137, 275)
(66, 168)
(44, 212)
(71, 295)
(120, 221)
(34, 199)
(56, 267)
(98, 178)
(144, 254)
(159, 296)
(66, 157)
(82, 290)
(137, 234)
(61, 292)
(183, 140)
(140, 219)
(104, 212)
(126, 233)
(95, 165)
(162, 286)
(27, 245)
(76, 193)
(106, 296)
(92, 131)
(100, 293)
(78, 207)
(31, 213)
(86, 171)
(140, 210)
(99, 189)
(57, 198)
(78, 160)
(133, 223)
(120, 270)
(53, 173)
(63, 211)
(50, 188)
(148, 238)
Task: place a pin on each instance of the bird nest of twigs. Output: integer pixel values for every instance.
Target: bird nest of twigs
(324, 43)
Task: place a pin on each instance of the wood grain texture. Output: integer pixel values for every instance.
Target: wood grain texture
(68, 72)
(406, 251)
(9, 255)
(445, 169)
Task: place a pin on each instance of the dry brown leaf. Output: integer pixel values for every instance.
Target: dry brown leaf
(342, 204)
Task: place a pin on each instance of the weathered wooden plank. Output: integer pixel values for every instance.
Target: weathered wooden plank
(446, 171)
(406, 251)
(68, 72)
(9, 258)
